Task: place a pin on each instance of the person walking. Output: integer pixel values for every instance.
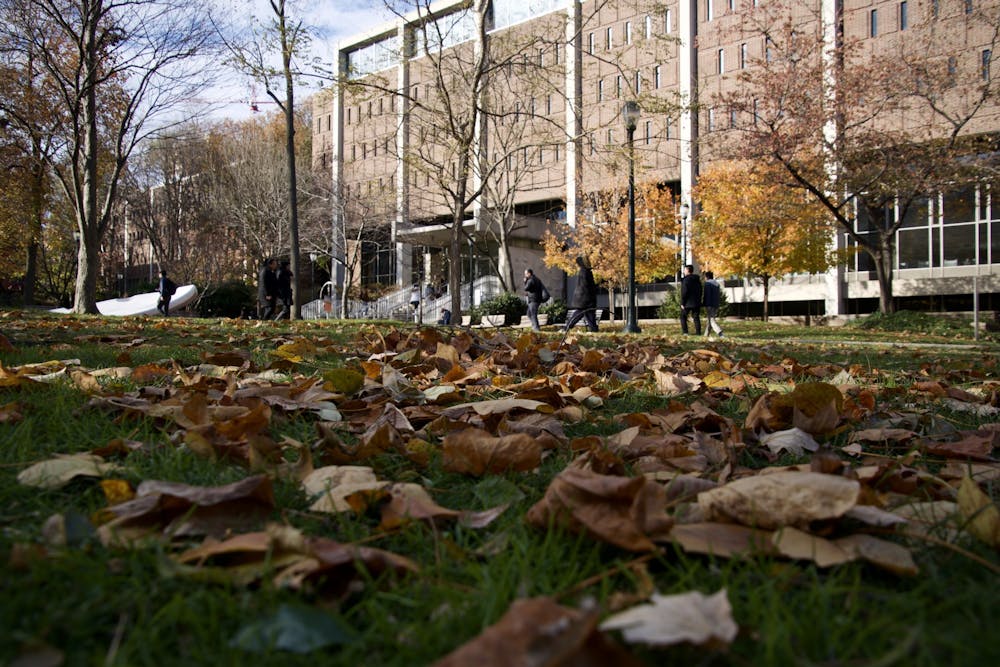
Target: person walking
(584, 300)
(166, 288)
(533, 290)
(284, 278)
(690, 300)
(712, 299)
(267, 289)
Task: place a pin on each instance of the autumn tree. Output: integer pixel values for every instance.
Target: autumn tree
(601, 234)
(867, 133)
(751, 224)
(119, 70)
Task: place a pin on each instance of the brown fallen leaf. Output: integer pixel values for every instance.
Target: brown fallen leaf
(800, 545)
(629, 512)
(788, 498)
(476, 452)
(540, 632)
(57, 472)
(725, 540)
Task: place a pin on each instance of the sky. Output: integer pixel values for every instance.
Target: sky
(330, 21)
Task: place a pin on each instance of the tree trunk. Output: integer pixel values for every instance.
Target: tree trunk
(293, 197)
(767, 291)
(883, 272)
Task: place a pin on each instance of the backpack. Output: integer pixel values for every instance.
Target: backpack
(545, 295)
(169, 287)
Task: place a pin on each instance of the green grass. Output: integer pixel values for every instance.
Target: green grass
(131, 607)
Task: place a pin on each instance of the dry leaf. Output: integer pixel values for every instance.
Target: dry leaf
(476, 452)
(781, 499)
(60, 471)
(981, 514)
(672, 619)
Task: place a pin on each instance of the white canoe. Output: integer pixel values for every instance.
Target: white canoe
(142, 304)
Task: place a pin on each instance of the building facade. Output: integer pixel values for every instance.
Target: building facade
(519, 102)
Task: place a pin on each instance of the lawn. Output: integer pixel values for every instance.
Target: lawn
(344, 493)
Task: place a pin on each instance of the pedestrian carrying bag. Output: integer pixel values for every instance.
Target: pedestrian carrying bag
(545, 294)
(170, 287)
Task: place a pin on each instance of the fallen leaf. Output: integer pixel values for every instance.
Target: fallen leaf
(60, 471)
(982, 516)
(293, 628)
(672, 619)
(476, 452)
(795, 441)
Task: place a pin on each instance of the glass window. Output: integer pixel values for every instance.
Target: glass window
(960, 206)
(903, 18)
(916, 215)
(628, 32)
(743, 56)
(649, 27)
(590, 43)
(968, 6)
(609, 38)
(649, 131)
(638, 83)
(960, 245)
(600, 90)
(913, 248)
(721, 55)
(873, 23)
(668, 21)
(987, 55)
(708, 10)
(656, 76)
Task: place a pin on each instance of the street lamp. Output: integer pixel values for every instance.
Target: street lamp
(312, 275)
(630, 114)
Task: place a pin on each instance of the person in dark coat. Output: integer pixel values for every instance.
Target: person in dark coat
(712, 299)
(584, 300)
(533, 295)
(267, 289)
(284, 278)
(166, 288)
(690, 299)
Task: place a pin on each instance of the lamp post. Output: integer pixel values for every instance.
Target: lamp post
(630, 114)
(685, 211)
(312, 275)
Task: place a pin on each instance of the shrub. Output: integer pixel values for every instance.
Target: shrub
(507, 304)
(229, 299)
(910, 321)
(556, 309)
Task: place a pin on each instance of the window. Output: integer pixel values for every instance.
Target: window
(649, 131)
(668, 131)
(668, 21)
(732, 5)
(557, 53)
(600, 90)
(369, 109)
(380, 105)
(618, 86)
(541, 58)
(590, 43)
(609, 38)
(708, 10)
(348, 115)
(354, 151)
(556, 149)
(968, 6)
(611, 136)
(743, 55)
(935, 8)
(649, 27)
(375, 148)
(987, 55)
(628, 32)
(711, 120)
(548, 105)
(952, 66)
(656, 77)
(903, 18)
(721, 61)
(768, 53)
(732, 118)
(364, 151)
(873, 23)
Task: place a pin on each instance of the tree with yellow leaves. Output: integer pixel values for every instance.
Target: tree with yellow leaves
(601, 234)
(751, 223)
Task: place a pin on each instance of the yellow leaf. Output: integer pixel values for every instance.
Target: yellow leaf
(344, 380)
(117, 490)
(980, 513)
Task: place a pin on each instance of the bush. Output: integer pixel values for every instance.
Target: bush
(670, 309)
(229, 299)
(556, 309)
(939, 324)
(507, 304)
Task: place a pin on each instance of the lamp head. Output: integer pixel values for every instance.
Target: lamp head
(685, 209)
(630, 114)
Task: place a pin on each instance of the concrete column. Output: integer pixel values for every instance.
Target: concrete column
(835, 301)
(402, 216)
(337, 170)
(574, 109)
(687, 25)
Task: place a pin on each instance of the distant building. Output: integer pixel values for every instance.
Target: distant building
(560, 73)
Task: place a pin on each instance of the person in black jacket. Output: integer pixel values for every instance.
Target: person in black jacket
(690, 300)
(284, 278)
(533, 295)
(166, 288)
(267, 289)
(584, 300)
(712, 299)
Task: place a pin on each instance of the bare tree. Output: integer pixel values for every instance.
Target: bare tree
(120, 67)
